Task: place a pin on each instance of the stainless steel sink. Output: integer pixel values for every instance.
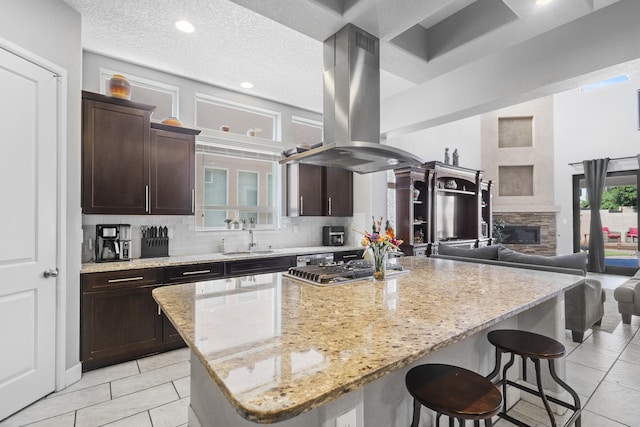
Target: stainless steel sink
(240, 253)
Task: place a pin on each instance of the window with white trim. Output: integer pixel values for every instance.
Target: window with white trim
(215, 195)
(236, 188)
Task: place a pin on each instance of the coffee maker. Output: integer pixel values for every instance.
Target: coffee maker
(113, 242)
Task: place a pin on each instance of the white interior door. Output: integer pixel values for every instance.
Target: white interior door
(28, 136)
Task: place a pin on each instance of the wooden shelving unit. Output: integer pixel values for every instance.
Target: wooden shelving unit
(452, 206)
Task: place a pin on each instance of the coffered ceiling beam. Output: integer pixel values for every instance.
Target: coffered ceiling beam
(586, 49)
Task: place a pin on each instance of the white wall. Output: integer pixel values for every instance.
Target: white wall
(51, 30)
(429, 144)
(591, 125)
(539, 155)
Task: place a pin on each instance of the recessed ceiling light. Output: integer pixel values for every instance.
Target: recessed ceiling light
(246, 85)
(543, 2)
(185, 26)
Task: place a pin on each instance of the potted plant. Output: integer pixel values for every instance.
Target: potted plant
(244, 223)
(228, 222)
(236, 224)
(498, 230)
(252, 222)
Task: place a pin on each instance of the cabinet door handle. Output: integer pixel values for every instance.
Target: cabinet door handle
(159, 310)
(329, 205)
(189, 273)
(146, 198)
(125, 279)
(350, 256)
(193, 200)
(301, 205)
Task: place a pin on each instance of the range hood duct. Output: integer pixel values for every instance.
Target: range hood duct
(352, 108)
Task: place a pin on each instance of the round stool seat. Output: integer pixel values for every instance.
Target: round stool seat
(454, 391)
(527, 344)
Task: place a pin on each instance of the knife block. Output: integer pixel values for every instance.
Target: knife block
(152, 247)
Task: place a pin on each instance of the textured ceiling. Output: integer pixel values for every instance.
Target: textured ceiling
(277, 44)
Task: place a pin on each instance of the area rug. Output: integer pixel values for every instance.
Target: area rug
(622, 262)
(611, 318)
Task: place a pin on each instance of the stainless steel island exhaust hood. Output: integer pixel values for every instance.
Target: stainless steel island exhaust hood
(352, 108)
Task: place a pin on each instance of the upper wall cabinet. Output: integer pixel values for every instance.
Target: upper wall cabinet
(130, 168)
(338, 195)
(319, 191)
(172, 184)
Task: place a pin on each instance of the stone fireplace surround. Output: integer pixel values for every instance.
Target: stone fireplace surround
(545, 220)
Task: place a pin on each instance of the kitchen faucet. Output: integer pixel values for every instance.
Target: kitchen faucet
(253, 243)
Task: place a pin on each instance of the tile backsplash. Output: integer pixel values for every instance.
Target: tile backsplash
(184, 239)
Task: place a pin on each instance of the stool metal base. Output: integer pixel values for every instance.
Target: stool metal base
(476, 423)
(577, 411)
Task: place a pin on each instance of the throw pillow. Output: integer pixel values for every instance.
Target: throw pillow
(486, 252)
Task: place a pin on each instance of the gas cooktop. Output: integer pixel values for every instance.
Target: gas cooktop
(334, 274)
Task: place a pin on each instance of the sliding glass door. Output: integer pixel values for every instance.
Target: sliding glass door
(619, 214)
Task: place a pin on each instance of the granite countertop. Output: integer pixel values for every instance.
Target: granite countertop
(277, 347)
(94, 267)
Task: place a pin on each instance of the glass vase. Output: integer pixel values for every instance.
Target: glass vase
(379, 263)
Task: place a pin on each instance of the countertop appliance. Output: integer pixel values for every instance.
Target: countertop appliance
(333, 235)
(113, 242)
(334, 274)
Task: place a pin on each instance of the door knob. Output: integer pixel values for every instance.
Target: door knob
(51, 273)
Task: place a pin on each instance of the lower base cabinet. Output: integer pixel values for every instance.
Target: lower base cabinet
(120, 320)
(258, 266)
(169, 332)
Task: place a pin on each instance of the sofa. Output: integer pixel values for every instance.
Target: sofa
(584, 304)
(628, 297)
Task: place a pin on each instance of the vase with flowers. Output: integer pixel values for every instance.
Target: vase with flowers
(380, 243)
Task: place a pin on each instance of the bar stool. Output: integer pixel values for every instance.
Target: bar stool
(532, 346)
(456, 392)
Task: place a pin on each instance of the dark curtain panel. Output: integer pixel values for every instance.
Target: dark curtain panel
(595, 173)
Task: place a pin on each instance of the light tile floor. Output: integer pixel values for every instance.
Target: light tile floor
(154, 391)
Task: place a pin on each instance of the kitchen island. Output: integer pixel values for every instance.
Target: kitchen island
(269, 349)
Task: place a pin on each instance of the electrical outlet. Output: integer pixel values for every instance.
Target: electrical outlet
(347, 420)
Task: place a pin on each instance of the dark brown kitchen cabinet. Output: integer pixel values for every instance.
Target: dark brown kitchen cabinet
(172, 184)
(194, 272)
(119, 318)
(304, 190)
(169, 333)
(259, 266)
(115, 155)
(319, 191)
(133, 166)
(338, 192)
